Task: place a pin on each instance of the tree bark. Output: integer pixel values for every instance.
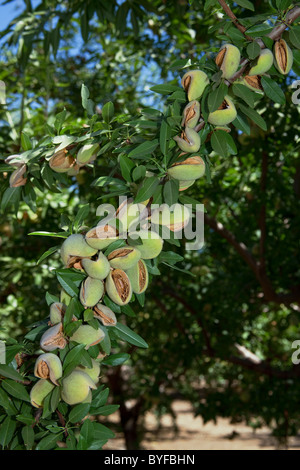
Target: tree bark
(129, 415)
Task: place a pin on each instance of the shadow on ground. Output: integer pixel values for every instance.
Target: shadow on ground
(192, 434)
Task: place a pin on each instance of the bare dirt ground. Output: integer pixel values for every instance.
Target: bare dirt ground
(194, 435)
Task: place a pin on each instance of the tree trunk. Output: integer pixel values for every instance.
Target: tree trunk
(129, 416)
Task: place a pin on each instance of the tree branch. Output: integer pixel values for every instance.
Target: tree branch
(241, 248)
(275, 34)
(233, 18)
(269, 293)
(247, 354)
(264, 368)
(249, 360)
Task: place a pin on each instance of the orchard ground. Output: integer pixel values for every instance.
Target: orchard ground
(194, 435)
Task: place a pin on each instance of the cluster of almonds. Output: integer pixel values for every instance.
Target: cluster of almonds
(60, 162)
(75, 388)
(18, 176)
(283, 62)
(123, 271)
(63, 161)
(119, 274)
(194, 83)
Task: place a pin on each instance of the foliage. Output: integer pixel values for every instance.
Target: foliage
(197, 323)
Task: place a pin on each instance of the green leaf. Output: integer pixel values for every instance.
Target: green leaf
(88, 315)
(87, 103)
(144, 149)
(82, 443)
(179, 96)
(209, 3)
(10, 354)
(28, 420)
(170, 257)
(128, 311)
(7, 430)
(126, 334)
(247, 95)
(134, 23)
(165, 89)
(74, 356)
(121, 18)
(59, 120)
(51, 234)
(69, 331)
(222, 143)
(84, 25)
(171, 192)
(68, 281)
(49, 442)
(164, 136)
(152, 269)
(2, 92)
(232, 150)
(79, 412)
(25, 142)
(253, 50)
(114, 246)
(87, 431)
(10, 197)
(81, 215)
(294, 36)
(147, 190)
(189, 200)
(99, 398)
(141, 299)
(47, 253)
(139, 172)
(64, 141)
(109, 303)
(86, 359)
(107, 410)
(116, 359)
(105, 180)
(15, 389)
(55, 39)
(102, 432)
(108, 112)
(10, 372)
(283, 4)
(105, 344)
(241, 123)
(252, 114)
(6, 403)
(245, 4)
(50, 298)
(273, 90)
(216, 97)
(184, 271)
(36, 332)
(127, 166)
(97, 444)
(55, 398)
(28, 436)
(71, 441)
(260, 29)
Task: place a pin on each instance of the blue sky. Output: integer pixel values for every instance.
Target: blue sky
(8, 12)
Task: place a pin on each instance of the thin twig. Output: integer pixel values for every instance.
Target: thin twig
(233, 18)
(62, 422)
(275, 34)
